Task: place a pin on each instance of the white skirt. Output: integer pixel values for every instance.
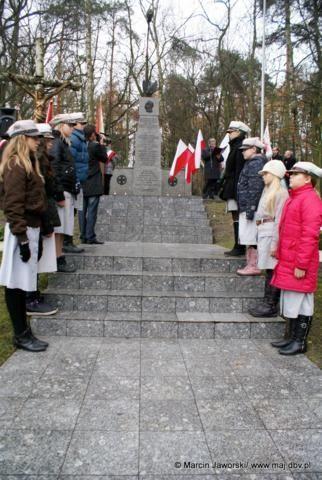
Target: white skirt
(14, 273)
(48, 261)
(247, 230)
(66, 216)
(293, 304)
(264, 240)
(231, 205)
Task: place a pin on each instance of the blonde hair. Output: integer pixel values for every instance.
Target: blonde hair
(60, 127)
(17, 152)
(271, 192)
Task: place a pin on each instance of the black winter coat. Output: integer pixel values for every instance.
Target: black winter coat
(93, 186)
(250, 186)
(212, 164)
(63, 164)
(234, 165)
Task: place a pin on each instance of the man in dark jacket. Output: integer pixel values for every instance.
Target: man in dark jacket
(212, 159)
(276, 155)
(235, 162)
(93, 186)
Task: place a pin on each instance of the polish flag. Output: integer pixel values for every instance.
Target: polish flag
(200, 145)
(99, 118)
(180, 159)
(50, 111)
(267, 143)
(190, 163)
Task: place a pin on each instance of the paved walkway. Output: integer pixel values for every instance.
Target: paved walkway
(98, 408)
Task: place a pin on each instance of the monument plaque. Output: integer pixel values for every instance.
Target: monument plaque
(147, 169)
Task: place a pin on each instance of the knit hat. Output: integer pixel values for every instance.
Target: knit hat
(23, 127)
(63, 118)
(251, 142)
(307, 167)
(45, 130)
(275, 167)
(237, 125)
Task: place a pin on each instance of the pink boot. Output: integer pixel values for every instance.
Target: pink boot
(251, 267)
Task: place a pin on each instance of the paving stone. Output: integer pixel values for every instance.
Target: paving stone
(158, 282)
(122, 329)
(214, 266)
(192, 305)
(170, 367)
(77, 260)
(158, 304)
(301, 447)
(121, 415)
(73, 364)
(183, 265)
(225, 305)
(169, 415)
(217, 388)
(124, 304)
(159, 329)
(90, 302)
(62, 302)
(186, 476)
(308, 385)
(232, 330)
(199, 330)
(18, 385)
(189, 284)
(57, 387)
(206, 366)
(165, 388)
(153, 348)
(126, 282)
(32, 451)
(47, 414)
(194, 317)
(220, 284)
(269, 387)
(157, 265)
(98, 263)
(49, 326)
(161, 451)
(106, 387)
(63, 280)
(9, 408)
(83, 328)
(93, 282)
(246, 446)
(128, 264)
(102, 453)
(123, 367)
(228, 415)
(159, 316)
(267, 330)
(285, 414)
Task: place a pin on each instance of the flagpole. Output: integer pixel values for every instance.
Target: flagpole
(263, 71)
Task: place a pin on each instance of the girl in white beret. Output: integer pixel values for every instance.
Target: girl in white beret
(267, 219)
(24, 203)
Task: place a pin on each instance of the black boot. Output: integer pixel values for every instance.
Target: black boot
(37, 340)
(289, 334)
(69, 246)
(237, 250)
(269, 307)
(301, 331)
(28, 342)
(63, 266)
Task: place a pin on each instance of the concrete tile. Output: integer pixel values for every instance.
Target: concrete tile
(122, 367)
(9, 408)
(198, 330)
(194, 317)
(217, 388)
(285, 414)
(126, 282)
(121, 329)
(158, 282)
(95, 282)
(225, 305)
(169, 415)
(192, 304)
(232, 330)
(59, 387)
(301, 447)
(32, 451)
(157, 264)
(121, 415)
(83, 328)
(267, 330)
(124, 304)
(159, 329)
(106, 387)
(170, 367)
(273, 386)
(158, 304)
(165, 388)
(189, 284)
(90, 303)
(228, 415)
(98, 263)
(17, 385)
(160, 452)
(102, 453)
(49, 326)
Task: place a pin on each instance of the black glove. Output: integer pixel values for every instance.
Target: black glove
(250, 215)
(24, 252)
(40, 247)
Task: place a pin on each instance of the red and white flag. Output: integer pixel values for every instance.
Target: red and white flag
(180, 159)
(190, 163)
(50, 111)
(99, 118)
(267, 143)
(200, 145)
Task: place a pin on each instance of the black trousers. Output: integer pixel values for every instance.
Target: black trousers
(107, 183)
(16, 305)
(211, 187)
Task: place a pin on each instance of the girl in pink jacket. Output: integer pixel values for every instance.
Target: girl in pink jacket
(298, 256)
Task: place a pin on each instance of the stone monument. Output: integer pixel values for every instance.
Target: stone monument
(147, 169)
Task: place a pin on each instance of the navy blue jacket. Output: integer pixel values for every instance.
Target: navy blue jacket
(250, 186)
(80, 154)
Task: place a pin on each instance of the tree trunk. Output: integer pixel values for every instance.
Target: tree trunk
(89, 62)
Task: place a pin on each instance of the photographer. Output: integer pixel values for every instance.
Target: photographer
(212, 159)
(93, 186)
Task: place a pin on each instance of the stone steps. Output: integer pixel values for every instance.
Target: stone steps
(160, 281)
(158, 325)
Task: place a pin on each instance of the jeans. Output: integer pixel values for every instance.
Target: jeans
(90, 207)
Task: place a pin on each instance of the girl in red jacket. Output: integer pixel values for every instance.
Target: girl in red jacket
(298, 256)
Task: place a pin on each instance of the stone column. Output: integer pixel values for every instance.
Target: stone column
(147, 169)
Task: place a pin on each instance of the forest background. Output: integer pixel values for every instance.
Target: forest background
(207, 62)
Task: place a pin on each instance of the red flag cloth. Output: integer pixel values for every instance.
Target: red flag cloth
(180, 159)
(50, 111)
(200, 145)
(99, 118)
(190, 165)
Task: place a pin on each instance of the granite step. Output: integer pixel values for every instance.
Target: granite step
(158, 325)
(150, 301)
(161, 281)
